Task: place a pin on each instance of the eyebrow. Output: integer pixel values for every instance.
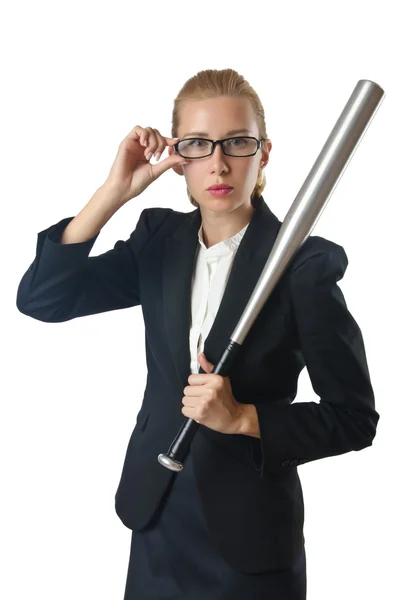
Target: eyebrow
(231, 132)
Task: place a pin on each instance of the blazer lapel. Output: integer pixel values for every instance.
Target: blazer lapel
(178, 266)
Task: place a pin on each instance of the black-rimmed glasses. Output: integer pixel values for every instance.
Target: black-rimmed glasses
(235, 146)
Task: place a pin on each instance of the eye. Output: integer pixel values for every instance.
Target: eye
(238, 141)
(195, 143)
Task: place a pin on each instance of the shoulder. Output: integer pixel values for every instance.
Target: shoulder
(155, 217)
(154, 224)
(318, 258)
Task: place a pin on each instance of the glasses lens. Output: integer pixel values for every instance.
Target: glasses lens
(240, 146)
(194, 148)
(198, 148)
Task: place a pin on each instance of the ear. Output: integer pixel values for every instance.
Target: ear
(266, 147)
(178, 169)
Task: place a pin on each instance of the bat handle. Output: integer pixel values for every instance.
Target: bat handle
(177, 451)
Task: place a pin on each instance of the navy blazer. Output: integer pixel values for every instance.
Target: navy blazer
(249, 487)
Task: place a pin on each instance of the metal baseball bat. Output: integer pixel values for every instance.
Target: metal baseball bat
(295, 229)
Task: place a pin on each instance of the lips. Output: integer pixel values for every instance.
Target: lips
(221, 186)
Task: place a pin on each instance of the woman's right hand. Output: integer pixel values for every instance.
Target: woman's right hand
(131, 172)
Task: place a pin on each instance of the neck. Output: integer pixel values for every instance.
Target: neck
(218, 227)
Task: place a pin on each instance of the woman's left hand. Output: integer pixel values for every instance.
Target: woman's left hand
(209, 400)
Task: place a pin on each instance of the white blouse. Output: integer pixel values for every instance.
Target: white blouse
(212, 270)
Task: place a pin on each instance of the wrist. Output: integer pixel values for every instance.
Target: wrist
(248, 423)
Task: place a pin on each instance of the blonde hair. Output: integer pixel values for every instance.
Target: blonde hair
(212, 83)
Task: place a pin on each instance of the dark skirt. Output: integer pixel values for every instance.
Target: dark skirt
(174, 558)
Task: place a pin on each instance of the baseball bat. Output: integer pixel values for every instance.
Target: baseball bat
(294, 231)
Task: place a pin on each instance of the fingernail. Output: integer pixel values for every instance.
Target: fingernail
(157, 157)
(149, 156)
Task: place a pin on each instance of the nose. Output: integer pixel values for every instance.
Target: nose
(218, 159)
(218, 151)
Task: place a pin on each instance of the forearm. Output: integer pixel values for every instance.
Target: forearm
(90, 220)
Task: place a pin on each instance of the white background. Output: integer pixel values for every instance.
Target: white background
(77, 77)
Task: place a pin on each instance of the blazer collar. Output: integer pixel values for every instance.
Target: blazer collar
(178, 265)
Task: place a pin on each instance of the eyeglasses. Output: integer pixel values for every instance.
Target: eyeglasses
(235, 146)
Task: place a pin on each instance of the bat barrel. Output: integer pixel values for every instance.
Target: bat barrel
(313, 195)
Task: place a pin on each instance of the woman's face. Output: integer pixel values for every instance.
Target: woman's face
(214, 118)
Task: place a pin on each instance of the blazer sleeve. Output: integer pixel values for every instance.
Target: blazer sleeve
(63, 282)
(332, 345)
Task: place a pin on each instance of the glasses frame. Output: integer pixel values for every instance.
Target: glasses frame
(221, 142)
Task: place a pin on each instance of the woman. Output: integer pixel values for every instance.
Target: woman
(230, 525)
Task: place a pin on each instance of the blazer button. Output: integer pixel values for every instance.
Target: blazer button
(285, 463)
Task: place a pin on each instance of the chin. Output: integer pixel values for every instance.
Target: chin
(221, 203)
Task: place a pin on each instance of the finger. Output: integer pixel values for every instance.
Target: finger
(155, 146)
(167, 163)
(156, 143)
(163, 142)
(207, 366)
(171, 141)
(193, 392)
(205, 360)
(139, 134)
(152, 142)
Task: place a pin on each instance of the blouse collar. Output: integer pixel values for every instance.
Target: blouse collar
(225, 246)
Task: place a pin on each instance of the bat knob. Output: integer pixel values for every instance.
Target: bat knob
(170, 463)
